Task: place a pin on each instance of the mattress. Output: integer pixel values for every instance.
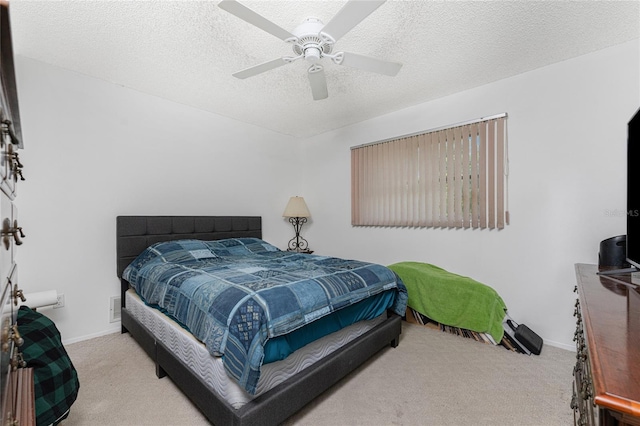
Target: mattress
(196, 357)
(238, 294)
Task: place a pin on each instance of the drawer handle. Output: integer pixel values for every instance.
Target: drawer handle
(15, 335)
(17, 172)
(9, 231)
(17, 293)
(16, 165)
(7, 129)
(6, 331)
(574, 403)
(17, 361)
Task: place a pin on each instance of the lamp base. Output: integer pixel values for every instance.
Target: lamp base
(297, 243)
(303, 251)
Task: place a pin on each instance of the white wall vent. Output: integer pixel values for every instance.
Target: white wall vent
(115, 309)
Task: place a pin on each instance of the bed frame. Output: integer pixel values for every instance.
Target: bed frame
(135, 233)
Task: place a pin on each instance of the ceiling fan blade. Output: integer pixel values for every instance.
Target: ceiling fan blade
(349, 16)
(368, 63)
(318, 82)
(255, 19)
(258, 69)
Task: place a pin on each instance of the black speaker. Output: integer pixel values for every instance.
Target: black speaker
(613, 252)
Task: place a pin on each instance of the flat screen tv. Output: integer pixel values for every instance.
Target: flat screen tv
(633, 191)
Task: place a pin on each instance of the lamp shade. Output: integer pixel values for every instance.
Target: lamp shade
(296, 207)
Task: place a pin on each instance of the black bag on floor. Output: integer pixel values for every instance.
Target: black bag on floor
(525, 336)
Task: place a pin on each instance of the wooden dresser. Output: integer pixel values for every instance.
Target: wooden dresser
(606, 387)
(16, 383)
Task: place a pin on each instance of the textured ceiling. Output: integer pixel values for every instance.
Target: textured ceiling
(186, 51)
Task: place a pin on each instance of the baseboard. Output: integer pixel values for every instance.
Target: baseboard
(564, 346)
(92, 336)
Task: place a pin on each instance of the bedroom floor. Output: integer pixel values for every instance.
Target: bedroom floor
(431, 378)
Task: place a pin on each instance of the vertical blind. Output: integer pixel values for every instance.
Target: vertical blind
(453, 177)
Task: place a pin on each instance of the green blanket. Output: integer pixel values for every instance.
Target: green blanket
(452, 299)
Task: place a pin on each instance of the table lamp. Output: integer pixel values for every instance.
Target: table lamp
(297, 212)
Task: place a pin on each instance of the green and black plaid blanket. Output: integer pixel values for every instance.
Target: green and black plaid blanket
(56, 380)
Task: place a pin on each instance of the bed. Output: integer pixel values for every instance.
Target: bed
(242, 395)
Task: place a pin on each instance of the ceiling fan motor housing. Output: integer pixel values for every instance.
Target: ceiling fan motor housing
(308, 43)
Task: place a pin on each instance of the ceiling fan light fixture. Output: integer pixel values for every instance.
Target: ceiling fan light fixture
(312, 54)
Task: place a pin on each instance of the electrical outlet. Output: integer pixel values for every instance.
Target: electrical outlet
(60, 302)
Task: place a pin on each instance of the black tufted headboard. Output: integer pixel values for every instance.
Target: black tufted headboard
(136, 233)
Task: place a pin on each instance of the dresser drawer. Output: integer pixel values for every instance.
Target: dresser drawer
(8, 347)
(8, 215)
(10, 165)
(582, 402)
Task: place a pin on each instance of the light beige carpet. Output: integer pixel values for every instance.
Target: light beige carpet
(431, 378)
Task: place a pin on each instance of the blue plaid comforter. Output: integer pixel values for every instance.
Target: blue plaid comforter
(235, 294)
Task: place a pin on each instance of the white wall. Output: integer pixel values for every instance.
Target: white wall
(567, 149)
(94, 150)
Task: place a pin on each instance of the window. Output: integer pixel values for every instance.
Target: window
(454, 177)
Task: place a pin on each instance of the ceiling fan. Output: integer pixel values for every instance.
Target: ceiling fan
(312, 40)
